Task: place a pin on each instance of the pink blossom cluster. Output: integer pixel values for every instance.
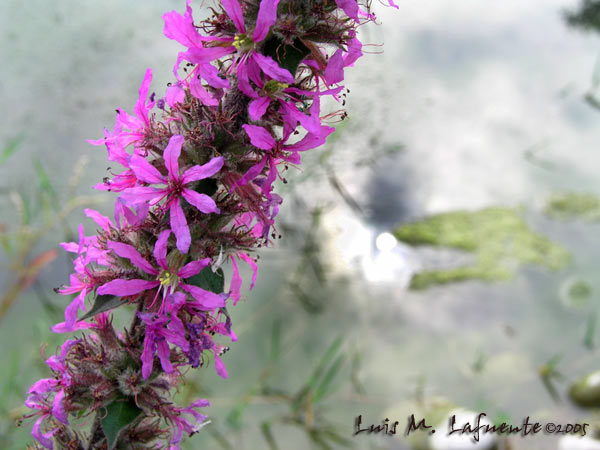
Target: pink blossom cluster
(195, 193)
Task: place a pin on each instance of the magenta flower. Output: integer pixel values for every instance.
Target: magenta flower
(175, 188)
(240, 104)
(288, 99)
(181, 29)
(127, 130)
(247, 61)
(181, 424)
(58, 384)
(155, 341)
(38, 395)
(82, 281)
(276, 151)
(119, 139)
(167, 278)
(236, 280)
(39, 403)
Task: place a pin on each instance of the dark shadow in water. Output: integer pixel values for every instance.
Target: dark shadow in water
(390, 194)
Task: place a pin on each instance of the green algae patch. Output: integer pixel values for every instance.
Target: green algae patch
(572, 205)
(498, 237)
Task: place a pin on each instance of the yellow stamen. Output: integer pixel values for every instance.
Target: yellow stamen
(274, 87)
(165, 278)
(242, 41)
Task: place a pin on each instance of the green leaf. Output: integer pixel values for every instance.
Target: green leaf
(288, 56)
(209, 280)
(119, 414)
(104, 303)
(11, 148)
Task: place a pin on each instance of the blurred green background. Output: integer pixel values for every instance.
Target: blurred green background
(441, 251)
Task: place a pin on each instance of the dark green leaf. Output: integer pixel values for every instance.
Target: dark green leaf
(103, 303)
(288, 56)
(11, 148)
(208, 186)
(209, 280)
(119, 414)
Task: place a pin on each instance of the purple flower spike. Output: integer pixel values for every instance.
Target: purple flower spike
(229, 98)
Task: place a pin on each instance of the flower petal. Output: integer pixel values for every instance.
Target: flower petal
(251, 174)
(267, 15)
(180, 227)
(160, 249)
(205, 300)
(252, 265)
(164, 354)
(174, 94)
(196, 173)
(311, 140)
(258, 107)
(43, 438)
(201, 201)
(201, 93)
(140, 109)
(71, 310)
(236, 283)
(259, 137)
(137, 195)
(148, 355)
(271, 68)
(193, 268)
(234, 11)
(205, 55)
(350, 7)
(181, 28)
(63, 328)
(42, 386)
(334, 72)
(123, 288)
(211, 74)
(171, 156)
(144, 171)
(220, 367)
(102, 221)
(129, 252)
(58, 408)
(243, 83)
